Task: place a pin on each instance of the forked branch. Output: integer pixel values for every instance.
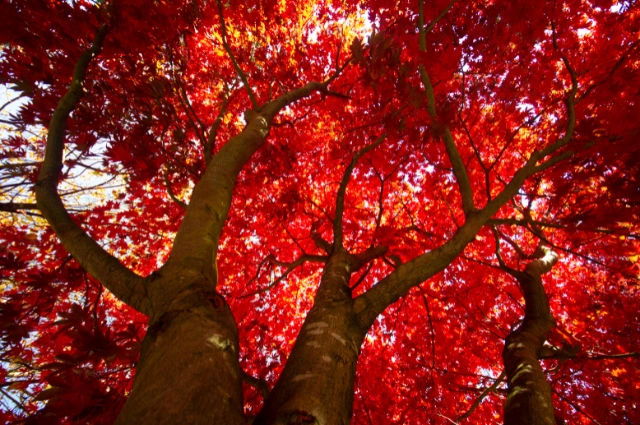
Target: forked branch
(259, 384)
(337, 222)
(290, 267)
(199, 234)
(373, 302)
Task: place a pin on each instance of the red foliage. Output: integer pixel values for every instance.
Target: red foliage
(500, 83)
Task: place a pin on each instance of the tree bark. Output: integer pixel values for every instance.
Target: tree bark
(529, 394)
(316, 385)
(188, 371)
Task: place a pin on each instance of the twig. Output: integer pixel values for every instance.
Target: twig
(577, 408)
(291, 266)
(172, 195)
(490, 389)
(257, 383)
(241, 73)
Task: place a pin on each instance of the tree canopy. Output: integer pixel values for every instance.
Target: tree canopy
(406, 185)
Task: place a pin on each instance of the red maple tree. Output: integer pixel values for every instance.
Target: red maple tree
(320, 212)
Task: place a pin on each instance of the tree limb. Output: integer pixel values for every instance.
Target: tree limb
(122, 282)
(412, 273)
(200, 230)
(16, 206)
(290, 267)
(239, 70)
(459, 169)
(337, 222)
(564, 355)
(490, 389)
(259, 384)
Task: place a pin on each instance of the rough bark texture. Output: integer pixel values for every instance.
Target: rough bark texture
(188, 371)
(529, 394)
(316, 386)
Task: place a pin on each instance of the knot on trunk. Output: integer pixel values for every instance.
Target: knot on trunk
(215, 300)
(298, 417)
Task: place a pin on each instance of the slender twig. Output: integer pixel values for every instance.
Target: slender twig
(195, 120)
(613, 70)
(433, 335)
(490, 389)
(576, 407)
(16, 403)
(433, 23)
(241, 74)
(170, 192)
(10, 101)
(213, 130)
(290, 267)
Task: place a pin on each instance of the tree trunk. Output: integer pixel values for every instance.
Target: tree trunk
(529, 394)
(316, 385)
(188, 371)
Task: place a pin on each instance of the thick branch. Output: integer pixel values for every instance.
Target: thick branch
(370, 304)
(367, 256)
(320, 242)
(529, 394)
(122, 282)
(564, 355)
(17, 206)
